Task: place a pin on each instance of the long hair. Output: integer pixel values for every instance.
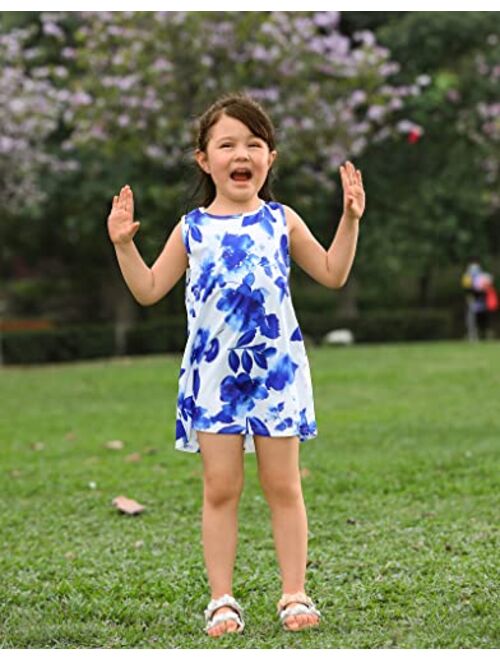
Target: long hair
(242, 107)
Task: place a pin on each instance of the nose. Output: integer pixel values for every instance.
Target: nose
(242, 153)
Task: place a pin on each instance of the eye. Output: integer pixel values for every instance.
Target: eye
(256, 144)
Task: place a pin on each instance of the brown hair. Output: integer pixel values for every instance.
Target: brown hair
(245, 109)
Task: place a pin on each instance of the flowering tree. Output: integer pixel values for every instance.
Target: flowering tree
(125, 88)
(480, 120)
(31, 107)
(434, 196)
(327, 95)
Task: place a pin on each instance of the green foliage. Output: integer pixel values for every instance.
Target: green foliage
(81, 342)
(430, 204)
(384, 325)
(427, 40)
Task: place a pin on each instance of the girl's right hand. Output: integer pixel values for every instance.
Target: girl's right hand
(121, 225)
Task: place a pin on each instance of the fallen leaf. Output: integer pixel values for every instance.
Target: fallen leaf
(133, 458)
(114, 444)
(70, 436)
(16, 474)
(138, 544)
(150, 450)
(70, 555)
(37, 446)
(305, 472)
(125, 505)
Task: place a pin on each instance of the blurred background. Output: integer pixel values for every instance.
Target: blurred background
(92, 101)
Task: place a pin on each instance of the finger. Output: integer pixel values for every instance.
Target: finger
(128, 200)
(351, 173)
(360, 178)
(121, 199)
(343, 176)
(125, 198)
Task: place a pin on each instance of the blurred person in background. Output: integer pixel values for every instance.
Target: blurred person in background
(481, 301)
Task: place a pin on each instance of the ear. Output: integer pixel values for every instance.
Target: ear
(201, 159)
(272, 157)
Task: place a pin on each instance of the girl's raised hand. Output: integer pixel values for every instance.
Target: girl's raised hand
(354, 194)
(121, 225)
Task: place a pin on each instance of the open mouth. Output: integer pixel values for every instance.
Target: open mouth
(241, 174)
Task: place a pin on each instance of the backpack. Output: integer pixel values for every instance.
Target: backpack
(491, 298)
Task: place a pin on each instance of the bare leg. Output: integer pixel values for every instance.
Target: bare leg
(222, 486)
(278, 461)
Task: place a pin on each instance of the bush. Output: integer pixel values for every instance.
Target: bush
(58, 345)
(169, 335)
(82, 342)
(165, 336)
(383, 325)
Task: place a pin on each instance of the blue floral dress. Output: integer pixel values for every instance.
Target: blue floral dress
(244, 368)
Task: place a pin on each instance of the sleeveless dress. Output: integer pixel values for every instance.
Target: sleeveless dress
(244, 369)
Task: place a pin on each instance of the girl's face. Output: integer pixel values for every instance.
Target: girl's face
(237, 160)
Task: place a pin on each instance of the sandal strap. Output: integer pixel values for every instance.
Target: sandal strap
(299, 597)
(219, 618)
(298, 609)
(305, 605)
(225, 600)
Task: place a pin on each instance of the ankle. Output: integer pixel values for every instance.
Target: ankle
(218, 594)
(294, 590)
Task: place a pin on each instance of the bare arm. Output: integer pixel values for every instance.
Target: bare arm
(330, 267)
(148, 285)
(308, 252)
(169, 267)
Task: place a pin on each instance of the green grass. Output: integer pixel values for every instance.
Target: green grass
(402, 501)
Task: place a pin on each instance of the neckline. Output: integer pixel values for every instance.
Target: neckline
(233, 215)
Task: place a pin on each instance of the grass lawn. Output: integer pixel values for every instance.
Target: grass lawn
(401, 489)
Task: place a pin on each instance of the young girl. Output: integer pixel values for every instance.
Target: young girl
(244, 382)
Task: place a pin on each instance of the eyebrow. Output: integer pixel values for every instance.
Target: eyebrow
(231, 137)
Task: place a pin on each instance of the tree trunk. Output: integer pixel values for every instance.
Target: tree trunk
(121, 306)
(424, 283)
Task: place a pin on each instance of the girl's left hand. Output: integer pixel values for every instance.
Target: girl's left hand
(354, 194)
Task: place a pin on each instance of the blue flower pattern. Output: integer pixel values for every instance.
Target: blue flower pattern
(244, 369)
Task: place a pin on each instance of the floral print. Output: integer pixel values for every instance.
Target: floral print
(244, 369)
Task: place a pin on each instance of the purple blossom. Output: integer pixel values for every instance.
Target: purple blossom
(376, 112)
(326, 19)
(53, 30)
(365, 36)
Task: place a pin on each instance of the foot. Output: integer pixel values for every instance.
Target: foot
(224, 626)
(300, 621)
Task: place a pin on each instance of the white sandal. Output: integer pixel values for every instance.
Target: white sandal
(306, 606)
(228, 601)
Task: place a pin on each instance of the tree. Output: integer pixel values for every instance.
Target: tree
(132, 83)
(433, 200)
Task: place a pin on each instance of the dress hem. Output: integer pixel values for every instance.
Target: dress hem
(179, 446)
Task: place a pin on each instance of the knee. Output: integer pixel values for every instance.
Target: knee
(281, 490)
(221, 489)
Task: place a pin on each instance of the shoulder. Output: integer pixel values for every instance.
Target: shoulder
(292, 218)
